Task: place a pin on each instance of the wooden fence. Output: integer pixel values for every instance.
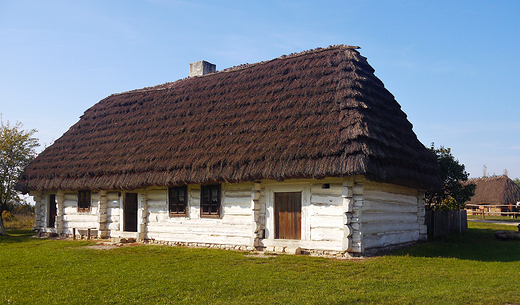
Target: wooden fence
(440, 223)
(512, 210)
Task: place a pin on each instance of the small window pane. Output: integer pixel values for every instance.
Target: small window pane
(177, 200)
(84, 201)
(210, 200)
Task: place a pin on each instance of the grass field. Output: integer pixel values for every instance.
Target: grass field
(499, 218)
(473, 268)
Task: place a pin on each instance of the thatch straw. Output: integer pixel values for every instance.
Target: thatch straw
(321, 113)
(498, 190)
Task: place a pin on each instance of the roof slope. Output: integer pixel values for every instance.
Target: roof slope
(314, 114)
(494, 190)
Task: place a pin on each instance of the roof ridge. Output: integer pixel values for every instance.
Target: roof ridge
(168, 85)
(494, 177)
(292, 55)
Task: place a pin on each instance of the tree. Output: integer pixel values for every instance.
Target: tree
(517, 181)
(453, 194)
(17, 149)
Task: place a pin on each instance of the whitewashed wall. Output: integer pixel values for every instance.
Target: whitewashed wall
(68, 216)
(391, 215)
(40, 211)
(233, 228)
(322, 214)
(113, 222)
(348, 214)
(72, 218)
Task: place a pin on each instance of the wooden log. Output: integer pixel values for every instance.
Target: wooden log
(390, 197)
(325, 210)
(388, 217)
(389, 227)
(383, 240)
(336, 221)
(324, 234)
(388, 207)
(332, 199)
(113, 196)
(507, 235)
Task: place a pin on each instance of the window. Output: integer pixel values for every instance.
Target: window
(83, 201)
(210, 200)
(178, 200)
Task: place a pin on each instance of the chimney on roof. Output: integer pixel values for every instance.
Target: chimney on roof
(202, 67)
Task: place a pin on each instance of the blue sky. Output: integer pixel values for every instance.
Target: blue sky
(454, 66)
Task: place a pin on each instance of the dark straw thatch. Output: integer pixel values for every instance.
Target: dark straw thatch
(498, 190)
(320, 113)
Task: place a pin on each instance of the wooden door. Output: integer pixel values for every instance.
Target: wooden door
(52, 211)
(287, 215)
(130, 212)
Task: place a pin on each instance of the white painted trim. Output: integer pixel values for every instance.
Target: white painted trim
(45, 204)
(121, 212)
(122, 232)
(305, 189)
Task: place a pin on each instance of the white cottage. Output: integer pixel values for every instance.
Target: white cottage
(307, 152)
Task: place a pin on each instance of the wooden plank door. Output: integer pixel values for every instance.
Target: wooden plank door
(52, 211)
(130, 212)
(287, 215)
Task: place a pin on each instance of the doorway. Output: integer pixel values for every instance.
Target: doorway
(51, 215)
(287, 215)
(130, 212)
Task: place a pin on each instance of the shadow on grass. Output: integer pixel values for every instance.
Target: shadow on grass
(16, 236)
(476, 244)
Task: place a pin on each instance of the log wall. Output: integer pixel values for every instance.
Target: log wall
(323, 220)
(348, 214)
(391, 215)
(234, 227)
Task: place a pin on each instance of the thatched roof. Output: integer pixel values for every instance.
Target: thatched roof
(498, 190)
(320, 113)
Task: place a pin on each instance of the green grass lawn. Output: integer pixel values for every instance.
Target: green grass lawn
(473, 268)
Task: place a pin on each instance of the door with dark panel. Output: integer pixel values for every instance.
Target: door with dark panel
(130, 212)
(52, 211)
(287, 215)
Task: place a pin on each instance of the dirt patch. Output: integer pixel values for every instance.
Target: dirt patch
(103, 246)
(261, 254)
(112, 245)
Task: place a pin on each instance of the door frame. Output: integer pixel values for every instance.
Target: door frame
(122, 215)
(49, 211)
(305, 190)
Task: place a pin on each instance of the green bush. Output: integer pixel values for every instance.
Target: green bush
(7, 216)
(17, 221)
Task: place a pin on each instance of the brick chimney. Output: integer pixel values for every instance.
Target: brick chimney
(202, 67)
